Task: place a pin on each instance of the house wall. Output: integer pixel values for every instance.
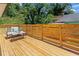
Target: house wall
(2, 8)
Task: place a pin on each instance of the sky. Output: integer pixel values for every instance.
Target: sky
(75, 7)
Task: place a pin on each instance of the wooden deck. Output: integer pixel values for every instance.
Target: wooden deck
(29, 47)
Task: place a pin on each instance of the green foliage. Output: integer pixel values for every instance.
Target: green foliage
(13, 20)
(12, 10)
(50, 19)
(35, 13)
(58, 8)
(69, 11)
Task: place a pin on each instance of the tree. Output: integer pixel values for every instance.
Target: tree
(12, 10)
(37, 13)
(58, 8)
(69, 11)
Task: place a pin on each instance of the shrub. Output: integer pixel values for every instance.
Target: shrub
(13, 20)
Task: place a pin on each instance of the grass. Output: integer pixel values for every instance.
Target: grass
(20, 20)
(7, 20)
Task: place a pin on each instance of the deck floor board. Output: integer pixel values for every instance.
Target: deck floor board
(29, 47)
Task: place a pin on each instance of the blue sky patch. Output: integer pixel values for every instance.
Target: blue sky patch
(75, 6)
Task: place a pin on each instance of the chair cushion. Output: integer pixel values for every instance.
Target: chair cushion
(12, 33)
(15, 29)
(22, 32)
(9, 33)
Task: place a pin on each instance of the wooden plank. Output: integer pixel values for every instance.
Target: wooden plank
(49, 48)
(71, 46)
(30, 46)
(58, 32)
(30, 49)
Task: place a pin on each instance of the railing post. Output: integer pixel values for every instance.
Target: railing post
(60, 30)
(42, 32)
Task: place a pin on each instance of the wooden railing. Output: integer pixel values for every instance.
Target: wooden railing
(62, 35)
(23, 26)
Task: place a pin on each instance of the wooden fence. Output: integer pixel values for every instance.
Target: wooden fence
(23, 26)
(63, 35)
